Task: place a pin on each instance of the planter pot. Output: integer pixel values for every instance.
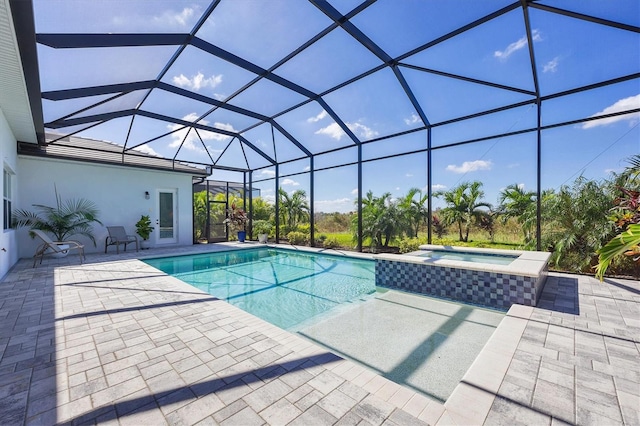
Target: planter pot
(145, 244)
(64, 253)
(242, 235)
(262, 238)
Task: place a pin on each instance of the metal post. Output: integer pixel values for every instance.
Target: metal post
(250, 204)
(429, 186)
(277, 204)
(244, 195)
(311, 203)
(359, 248)
(539, 179)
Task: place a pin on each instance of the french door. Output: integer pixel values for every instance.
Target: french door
(167, 220)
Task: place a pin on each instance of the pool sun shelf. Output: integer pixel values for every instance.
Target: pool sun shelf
(498, 286)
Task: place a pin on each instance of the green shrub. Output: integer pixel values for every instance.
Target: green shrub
(331, 243)
(408, 245)
(298, 238)
(262, 227)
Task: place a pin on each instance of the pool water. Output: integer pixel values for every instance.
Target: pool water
(283, 287)
(494, 259)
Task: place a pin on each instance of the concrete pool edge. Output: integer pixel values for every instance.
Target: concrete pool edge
(473, 398)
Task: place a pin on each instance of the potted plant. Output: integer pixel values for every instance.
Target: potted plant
(237, 220)
(144, 228)
(262, 228)
(68, 218)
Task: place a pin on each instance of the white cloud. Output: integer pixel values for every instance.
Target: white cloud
(334, 131)
(173, 19)
(362, 131)
(342, 205)
(470, 166)
(146, 149)
(288, 181)
(412, 120)
(271, 199)
(552, 65)
(521, 186)
(409, 175)
(516, 45)
(513, 165)
(158, 20)
(197, 82)
(354, 191)
(192, 142)
(306, 169)
(318, 117)
(437, 187)
(267, 173)
(623, 104)
(397, 188)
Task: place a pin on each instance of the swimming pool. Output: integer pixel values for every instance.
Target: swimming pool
(284, 287)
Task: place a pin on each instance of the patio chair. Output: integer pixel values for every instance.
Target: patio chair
(54, 247)
(117, 237)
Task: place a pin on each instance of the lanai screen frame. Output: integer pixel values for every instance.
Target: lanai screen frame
(23, 19)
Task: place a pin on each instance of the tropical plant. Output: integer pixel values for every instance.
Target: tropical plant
(463, 207)
(200, 214)
(487, 222)
(68, 218)
(330, 242)
(380, 220)
(261, 209)
(407, 245)
(626, 217)
(297, 238)
(413, 211)
(262, 227)
(438, 226)
(294, 208)
(143, 227)
(518, 204)
(574, 224)
(236, 218)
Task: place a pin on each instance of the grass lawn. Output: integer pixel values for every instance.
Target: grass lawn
(501, 241)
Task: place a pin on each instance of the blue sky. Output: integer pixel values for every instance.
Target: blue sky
(569, 53)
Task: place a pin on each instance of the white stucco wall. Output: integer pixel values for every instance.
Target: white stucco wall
(8, 243)
(119, 193)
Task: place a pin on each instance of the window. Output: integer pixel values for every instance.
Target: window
(6, 196)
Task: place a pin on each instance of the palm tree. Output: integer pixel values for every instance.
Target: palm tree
(66, 219)
(463, 206)
(413, 211)
(519, 204)
(294, 208)
(380, 220)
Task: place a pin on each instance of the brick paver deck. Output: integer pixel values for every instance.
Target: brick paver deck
(114, 341)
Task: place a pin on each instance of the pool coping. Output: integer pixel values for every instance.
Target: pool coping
(528, 263)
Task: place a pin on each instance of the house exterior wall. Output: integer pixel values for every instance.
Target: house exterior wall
(119, 193)
(9, 254)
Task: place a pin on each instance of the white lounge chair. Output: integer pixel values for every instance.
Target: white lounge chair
(50, 247)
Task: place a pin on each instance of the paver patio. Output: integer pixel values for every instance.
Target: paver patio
(113, 341)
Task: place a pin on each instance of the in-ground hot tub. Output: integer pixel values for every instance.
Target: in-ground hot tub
(489, 277)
